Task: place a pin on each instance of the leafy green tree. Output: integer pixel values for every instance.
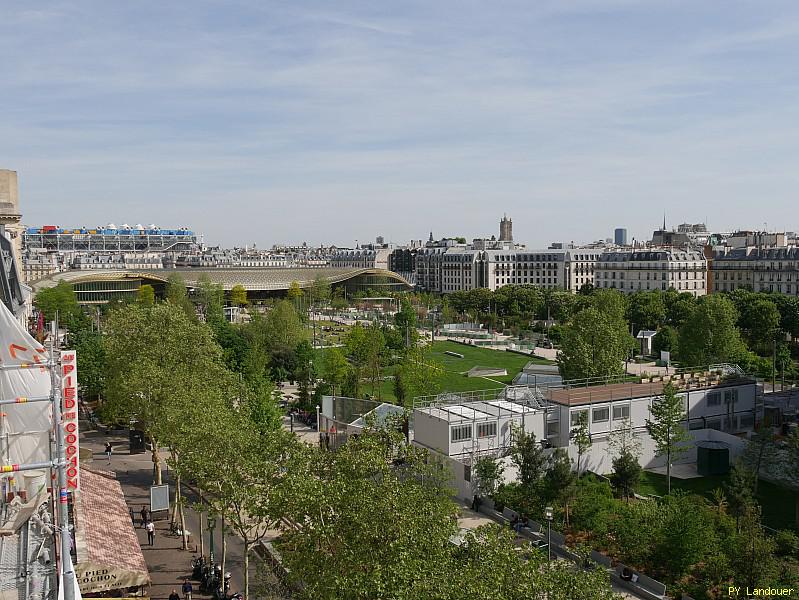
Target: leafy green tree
(559, 481)
(666, 427)
(685, 538)
(238, 295)
(491, 565)
(334, 369)
(666, 339)
(382, 546)
(405, 323)
(157, 357)
(761, 449)
(321, 290)
(61, 300)
(626, 474)
(488, 474)
(582, 438)
(594, 344)
(528, 456)
(146, 295)
(420, 374)
(90, 351)
(281, 328)
(758, 318)
(740, 491)
(211, 298)
(176, 294)
(295, 295)
(710, 334)
(679, 307)
(305, 373)
(646, 310)
(592, 507)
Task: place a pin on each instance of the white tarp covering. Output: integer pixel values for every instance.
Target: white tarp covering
(27, 425)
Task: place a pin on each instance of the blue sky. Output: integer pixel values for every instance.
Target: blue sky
(265, 122)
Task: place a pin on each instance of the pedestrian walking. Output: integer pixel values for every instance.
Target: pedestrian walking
(145, 515)
(150, 527)
(108, 450)
(187, 589)
(174, 596)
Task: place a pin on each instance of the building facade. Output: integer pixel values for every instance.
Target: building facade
(654, 269)
(758, 269)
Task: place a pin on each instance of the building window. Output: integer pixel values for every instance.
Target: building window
(487, 429)
(714, 399)
(714, 424)
(577, 415)
(746, 422)
(553, 428)
(461, 433)
(730, 396)
(600, 415)
(696, 424)
(621, 412)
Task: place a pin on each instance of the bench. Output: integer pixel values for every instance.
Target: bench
(509, 514)
(641, 584)
(455, 354)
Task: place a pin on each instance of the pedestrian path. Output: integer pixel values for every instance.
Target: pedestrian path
(167, 562)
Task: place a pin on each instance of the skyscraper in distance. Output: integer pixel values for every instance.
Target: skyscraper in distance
(620, 236)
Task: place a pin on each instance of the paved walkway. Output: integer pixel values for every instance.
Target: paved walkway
(167, 562)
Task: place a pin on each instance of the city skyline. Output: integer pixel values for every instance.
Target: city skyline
(263, 123)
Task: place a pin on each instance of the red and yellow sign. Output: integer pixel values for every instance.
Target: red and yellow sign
(69, 393)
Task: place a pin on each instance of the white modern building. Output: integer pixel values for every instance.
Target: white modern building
(653, 269)
(720, 403)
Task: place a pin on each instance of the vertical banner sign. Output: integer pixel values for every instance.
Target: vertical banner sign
(69, 392)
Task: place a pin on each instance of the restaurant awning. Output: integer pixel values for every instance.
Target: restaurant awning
(109, 555)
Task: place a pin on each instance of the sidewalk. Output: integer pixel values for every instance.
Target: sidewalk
(167, 562)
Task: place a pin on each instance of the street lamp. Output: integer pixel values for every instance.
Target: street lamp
(211, 526)
(548, 515)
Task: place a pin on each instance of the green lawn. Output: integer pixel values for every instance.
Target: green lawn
(777, 502)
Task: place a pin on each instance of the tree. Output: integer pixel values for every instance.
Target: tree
(158, 357)
(211, 298)
(295, 295)
(758, 318)
(419, 374)
(594, 344)
(88, 345)
(679, 307)
(405, 323)
(646, 310)
(626, 473)
(740, 491)
(625, 449)
(61, 300)
(666, 339)
(334, 369)
(146, 295)
(386, 543)
(281, 328)
(321, 290)
(710, 334)
(528, 456)
(238, 296)
(177, 296)
(559, 480)
(760, 450)
(582, 438)
(304, 373)
(488, 474)
(666, 428)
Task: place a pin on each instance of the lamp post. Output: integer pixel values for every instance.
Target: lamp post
(211, 527)
(548, 515)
